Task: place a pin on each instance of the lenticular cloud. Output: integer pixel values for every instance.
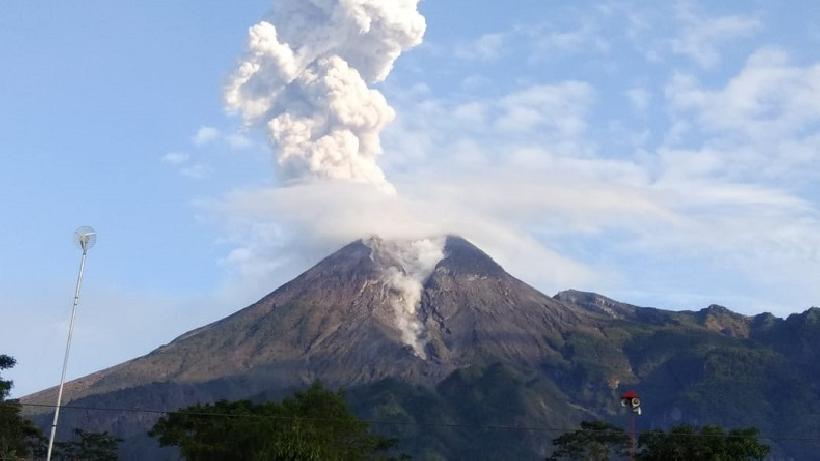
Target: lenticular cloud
(305, 78)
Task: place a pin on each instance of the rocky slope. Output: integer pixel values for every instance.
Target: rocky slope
(434, 331)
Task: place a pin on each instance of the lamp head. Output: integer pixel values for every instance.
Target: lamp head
(85, 237)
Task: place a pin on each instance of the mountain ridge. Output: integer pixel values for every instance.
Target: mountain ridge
(459, 271)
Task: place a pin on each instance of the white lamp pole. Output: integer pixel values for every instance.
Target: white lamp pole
(85, 237)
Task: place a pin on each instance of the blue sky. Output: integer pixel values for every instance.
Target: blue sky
(662, 153)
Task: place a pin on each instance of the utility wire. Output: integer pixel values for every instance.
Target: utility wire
(277, 417)
(407, 423)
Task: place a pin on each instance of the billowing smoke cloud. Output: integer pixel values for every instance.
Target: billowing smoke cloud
(412, 262)
(305, 77)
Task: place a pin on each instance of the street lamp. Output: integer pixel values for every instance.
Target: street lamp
(84, 237)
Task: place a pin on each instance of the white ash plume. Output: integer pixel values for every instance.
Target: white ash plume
(410, 264)
(305, 77)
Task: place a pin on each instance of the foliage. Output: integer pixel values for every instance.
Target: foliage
(312, 425)
(469, 415)
(18, 437)
(593, 441)
(599, 441)
(713, 443)
(88, 446)
(6, 362)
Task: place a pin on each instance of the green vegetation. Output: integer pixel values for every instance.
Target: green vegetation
(312, 425)
(18, 437)
(88, 446)
(476, 413)
(600, 441)
(682, 443)
(593, 441)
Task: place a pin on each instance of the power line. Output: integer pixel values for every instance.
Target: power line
(409, 423)
(277, 417)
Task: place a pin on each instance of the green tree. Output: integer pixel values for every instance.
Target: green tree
(593, 441)
(312, 425)
(599, 441)
(88, 446)
(708, 443)
(18, 437)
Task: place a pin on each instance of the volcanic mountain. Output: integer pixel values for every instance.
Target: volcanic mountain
(434, 333)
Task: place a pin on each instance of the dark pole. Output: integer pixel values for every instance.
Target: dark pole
(633, 435)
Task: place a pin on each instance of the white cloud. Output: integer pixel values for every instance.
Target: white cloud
(764, 121)
(174, 158)
(698, 201)
(182, 163)
(559, 107)
(485, 48)
(206, 135)
(196, 171)
(548, 40)
(701, 36)
(768, 94)
(471, 112)
(209, 136)
(639, 98)
(349, 212)
(540, 40)
(550, 115)
(474, 82)
(238, 141)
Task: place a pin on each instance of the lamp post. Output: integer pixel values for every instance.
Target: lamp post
(85, 237)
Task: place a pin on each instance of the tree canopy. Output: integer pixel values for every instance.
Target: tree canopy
(714, 443)
(314, 424)
(599, 440)
(88, 446)
(18, 437)
(593, 441)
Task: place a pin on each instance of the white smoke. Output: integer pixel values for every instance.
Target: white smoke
(305, 76)
(412, 263)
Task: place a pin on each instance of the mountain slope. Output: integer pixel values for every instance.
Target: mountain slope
(338, 322)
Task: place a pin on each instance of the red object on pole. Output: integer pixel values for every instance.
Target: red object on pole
(629, 395)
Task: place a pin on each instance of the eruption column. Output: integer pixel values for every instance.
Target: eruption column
(305, 77)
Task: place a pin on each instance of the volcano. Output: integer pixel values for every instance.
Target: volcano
(434, 331)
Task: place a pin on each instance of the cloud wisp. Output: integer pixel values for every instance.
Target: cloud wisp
(701, 36)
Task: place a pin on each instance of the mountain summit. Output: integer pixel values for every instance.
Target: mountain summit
(434, 328)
